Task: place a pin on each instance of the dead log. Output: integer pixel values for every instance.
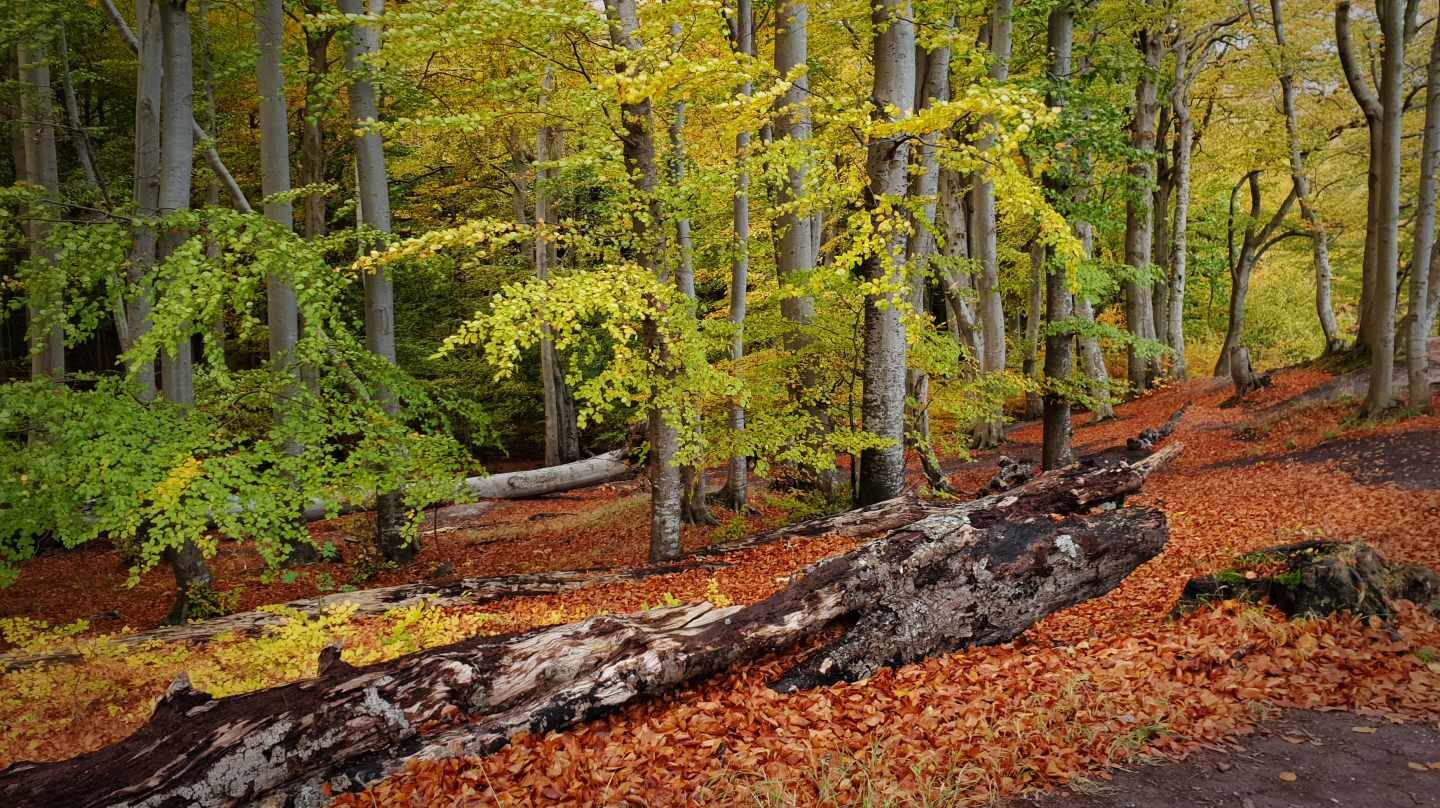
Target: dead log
(1319, 578)
(603, 468)
(972, 573)
(1149, 438)
(1010, 473)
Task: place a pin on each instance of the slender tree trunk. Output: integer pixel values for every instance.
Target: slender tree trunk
(194, 595)
(1180, 236)
(1369, 104)
(932, 77)
(1034, 312)
(882, 469)
(373, 192)
(638, 146)
(736, 492)
(212, 157)
(1319, 238)
(1160, 240)
(79, 138)
(312, 139)
(1055, 439)
(1387, 241)
(990, 432)
(176, 168)
(562, 434)
(1140, 210)
(795, 243)
(1417, 355)
(150, 55)
(37, 107)
(693, 509)
(959, 285)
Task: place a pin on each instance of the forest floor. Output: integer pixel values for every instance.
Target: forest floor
(1086, 693)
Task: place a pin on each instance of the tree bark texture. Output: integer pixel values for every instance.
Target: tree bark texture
(1055, 433)
(882, 469)
(1140, 211)
(972, 574)
(990, 432)
(372, 191)
(1422, 266)
(736, 491)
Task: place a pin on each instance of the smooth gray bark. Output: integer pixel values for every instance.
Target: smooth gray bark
(312, 138)
(1387, 239)
(882, 469)
(795, 250)
(932, 83)
(373, 194)
(37, 108)
(212, 157)
(1319, 237)
(990, 432)
(1174, 335)
(1055, 448)
(177, 372)
(1417, 357)
(1369, 104)
(1255, 242)
(562, 433)
(1140, 211)
(150, 68)
(737, 473)
(282, 314)
(638, 144)
(79, 138)
(958, 284)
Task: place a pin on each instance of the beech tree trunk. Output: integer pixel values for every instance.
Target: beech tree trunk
(1369, 105)
(882, 469)
(971, 574)
(1174, 333)
(737, 488)
(990, 432)
(1380, 395)
(959, 285)
(1417, 357)
(149, 54)
(795, 253)
(1320, 239)
(37, 108)
(312, 138)
(562, 431)
(372, 192)
(932, 83)
(638, 144)
(1059, 344)
(1140, 211)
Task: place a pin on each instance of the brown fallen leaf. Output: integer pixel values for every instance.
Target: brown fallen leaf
(1288, 777)
(1295, 739)
(1363, 730)
(1434, 764)
(1419, 767)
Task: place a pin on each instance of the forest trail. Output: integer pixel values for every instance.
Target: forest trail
(1094, 687)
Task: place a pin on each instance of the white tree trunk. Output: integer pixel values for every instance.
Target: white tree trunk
(737, 473)
(1140, 211)
(1387, 240)
(983, 231)
(1417, 357)
(882, 469)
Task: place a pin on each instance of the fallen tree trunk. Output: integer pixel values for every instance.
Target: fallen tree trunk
(604, 468)
(597, 470)
(965, 574)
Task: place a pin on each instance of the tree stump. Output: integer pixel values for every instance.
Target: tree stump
(1319, 578)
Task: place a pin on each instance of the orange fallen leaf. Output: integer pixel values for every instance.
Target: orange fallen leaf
(1288, 777)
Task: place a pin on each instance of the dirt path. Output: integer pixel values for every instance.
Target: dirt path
(1337, 759)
